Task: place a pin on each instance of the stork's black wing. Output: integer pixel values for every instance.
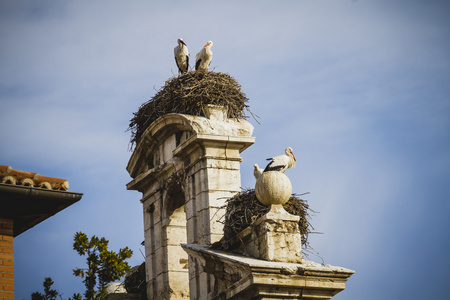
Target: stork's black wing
(271, 167)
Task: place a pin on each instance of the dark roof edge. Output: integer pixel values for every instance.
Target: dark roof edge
(37, 193)
(17, 200)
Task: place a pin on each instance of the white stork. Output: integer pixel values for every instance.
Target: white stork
(204, 57)
(282, 162)
(181, 56)
(257, 172)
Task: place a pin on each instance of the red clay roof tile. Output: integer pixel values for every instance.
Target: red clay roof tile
(10, 176)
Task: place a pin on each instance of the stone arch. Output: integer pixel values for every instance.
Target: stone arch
(173, 235)
(175, 198)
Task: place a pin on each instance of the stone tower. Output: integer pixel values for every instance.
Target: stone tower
(185, 167)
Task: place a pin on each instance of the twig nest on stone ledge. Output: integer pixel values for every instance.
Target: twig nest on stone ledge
(273, 187)
(189, 94)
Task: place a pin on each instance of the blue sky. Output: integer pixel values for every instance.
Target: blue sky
(359, 89)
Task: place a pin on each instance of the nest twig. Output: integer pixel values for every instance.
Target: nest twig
(244, 209)
(189, 94)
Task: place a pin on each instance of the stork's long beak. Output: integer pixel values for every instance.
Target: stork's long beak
(183, 43)
(206, 45)
(293, 155)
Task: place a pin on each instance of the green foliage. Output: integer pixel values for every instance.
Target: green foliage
(49, 294)
(76, 296)
(103, 266)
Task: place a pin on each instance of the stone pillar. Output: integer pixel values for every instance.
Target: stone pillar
(6, 259)
(273, 237)
(186, 167)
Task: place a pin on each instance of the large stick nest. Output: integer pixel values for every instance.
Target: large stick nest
(189, 94)
(244, 209)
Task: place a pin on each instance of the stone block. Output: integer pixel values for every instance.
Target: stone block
(223, 164)
(149, 274)
(156, 211)
(191, 230)
(215, 149)
(148, 242)
(190, 208)
(203, 222)
(201, 201)
(168, 146)
(160, 260)
(176, 258)
(233, 153)
(204, 283)
(193, 267)
(216, 219)
(202, 181)
(177, 219)
(273, 239)
(158, 236)
(151, 288)
(151, 190)
(221, 179)
(146, 217)
(276, 240)
(161, 284)
(196, 162)
(195, 184)
(176, 235)
(216, 198)
(179, 284)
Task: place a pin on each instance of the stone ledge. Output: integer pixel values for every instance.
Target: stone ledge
(246, 277)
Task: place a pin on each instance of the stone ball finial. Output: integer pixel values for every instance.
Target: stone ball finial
(273, 187)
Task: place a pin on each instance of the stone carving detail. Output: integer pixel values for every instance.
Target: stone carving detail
(273, 188)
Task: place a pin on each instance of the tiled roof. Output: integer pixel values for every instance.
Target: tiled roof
(10, 176)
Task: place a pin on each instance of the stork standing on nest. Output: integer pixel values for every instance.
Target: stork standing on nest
(204, 57)
(181, 56)
(282, 162)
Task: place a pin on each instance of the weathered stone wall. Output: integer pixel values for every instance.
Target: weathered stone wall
(186, 167)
